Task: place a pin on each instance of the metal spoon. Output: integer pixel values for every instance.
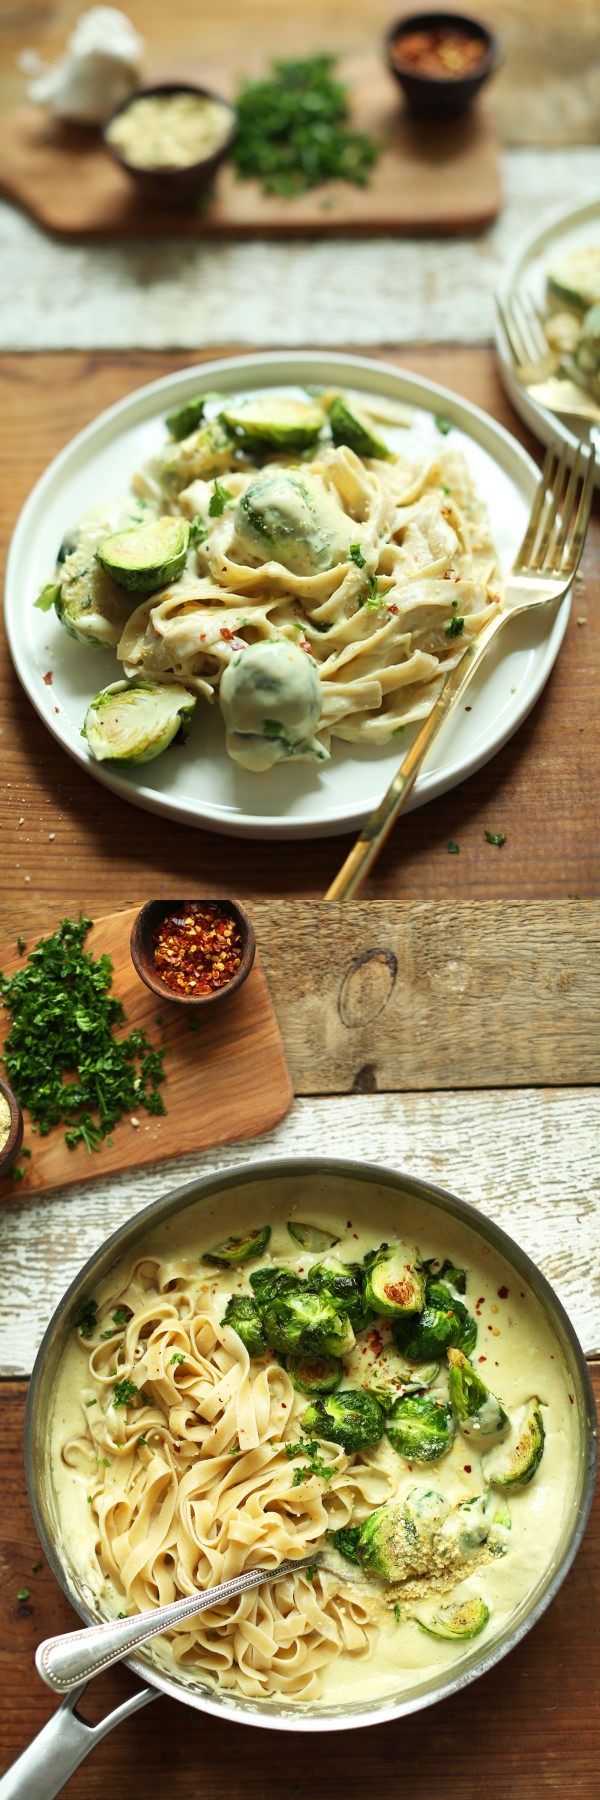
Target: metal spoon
(65, 1661)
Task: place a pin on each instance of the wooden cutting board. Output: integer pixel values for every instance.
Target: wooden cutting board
(441, 177)
(228, 1079)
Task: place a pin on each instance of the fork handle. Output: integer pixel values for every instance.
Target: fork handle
(377, 828)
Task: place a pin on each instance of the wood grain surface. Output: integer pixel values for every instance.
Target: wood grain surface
(224, 1080)
(541, 789)
(527, 1158)
(439, 177)
(546, 91)
(527, 1729)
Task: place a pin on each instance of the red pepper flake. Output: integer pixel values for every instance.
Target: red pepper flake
(197, 951)
(303, 644)
(348, 1224)
(48, 678)
(226, 633)
(571, 1400)
(482, 1359)
(467, 1468)
(393, 608)
(503, 1293)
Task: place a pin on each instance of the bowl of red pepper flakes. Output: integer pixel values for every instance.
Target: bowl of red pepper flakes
(194, 952)
(441, 59)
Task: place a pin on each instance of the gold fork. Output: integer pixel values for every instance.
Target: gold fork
(538, 367)
(543, 570)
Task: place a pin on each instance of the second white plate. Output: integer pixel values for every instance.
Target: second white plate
(197, 783)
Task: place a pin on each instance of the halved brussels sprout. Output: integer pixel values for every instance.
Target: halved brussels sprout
(48, 596)
(302, 1322)
(282, 424)
(468, 1526)
(134, 721)
(146, 557)
(397, 1540)
(235, 1250)
(315, 1374)
(271, 698)
(88, 603)
(352, 1419)
(184, 419)
(344, 1283)
(443, 1324)
(271, 1281)
(420, 1427)
(514, 1462)
(395, 1281)
(454, 1277)
(200, 457)
(242, 1314)
(588, 352)
(350, 425)
(291, 517)
(311, 1237)
(345, 1541)
(574, 279)
(458, 1620)
(470, 1399)
(391, 1376)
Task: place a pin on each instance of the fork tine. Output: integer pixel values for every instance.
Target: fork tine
(536, 322)
(567, 511)
(511, 328)
(573, 553)
(523, 316)
(553, 514)
(523, 556)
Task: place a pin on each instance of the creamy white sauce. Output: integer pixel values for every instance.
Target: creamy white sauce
(522, 1358)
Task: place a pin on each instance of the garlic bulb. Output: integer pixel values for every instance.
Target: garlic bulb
(100, 68)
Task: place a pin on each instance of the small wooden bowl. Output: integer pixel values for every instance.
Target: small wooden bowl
(10, 1150)
(441, 96)
(142, 949)
(181, 186)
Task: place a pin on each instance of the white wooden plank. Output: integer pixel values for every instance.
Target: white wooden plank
(527, 1158)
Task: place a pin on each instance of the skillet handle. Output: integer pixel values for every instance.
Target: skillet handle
(48, 1762)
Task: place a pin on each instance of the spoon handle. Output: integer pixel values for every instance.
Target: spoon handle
(72, 1657)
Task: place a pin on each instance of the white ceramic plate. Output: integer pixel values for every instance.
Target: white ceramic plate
(197, 783)
(526, 269)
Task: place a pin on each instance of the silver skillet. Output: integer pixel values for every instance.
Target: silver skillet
(64, 1742)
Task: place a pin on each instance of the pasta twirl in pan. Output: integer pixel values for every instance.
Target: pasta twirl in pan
(280, 556)
(405, 1413)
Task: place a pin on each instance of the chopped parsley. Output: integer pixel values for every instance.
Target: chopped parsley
(345, 1540)
(198, 531)
(293, 131)
(178, 1357)
(371, 595)
(218, 500)
(357, 556)
(23, 1594)
(85, 1320)
(397, 1613)
(309, 1574)
(314, 1466)
(20, 945)
(35, 1567)
(495, 837)
(453, 849)
(91, 1403)
(454, 628)
(121, 1316)
(63, 1020)
(124, 1392)
(442, 424)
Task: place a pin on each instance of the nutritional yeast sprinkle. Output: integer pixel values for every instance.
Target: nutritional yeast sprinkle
(198, 950)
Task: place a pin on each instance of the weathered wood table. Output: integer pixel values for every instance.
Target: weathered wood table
(423, 1038)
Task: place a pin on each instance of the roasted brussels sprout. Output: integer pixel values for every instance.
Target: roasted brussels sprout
(301, 1322)
(454, 1277)
(315, 1374)
(459, 1619)
(311, 1237)
(145, 558)
(242, 1314)
(344, 1282)
(236, 1250)
(588, 351)
(275, 422)
(271, 699)
(89, 605)
(420, 1427)
(396, 1541)
(350, 425)
(468, 1526)
(290, 517)
(186, 418)
(513, 1463)
(134, 721)
(574, 279)
(271, 1281)
(391, 1376)
(472, 1402)
(352, 1419)
(200, 457)
(345, 1542)
(443, 1324)
(395, 1281)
